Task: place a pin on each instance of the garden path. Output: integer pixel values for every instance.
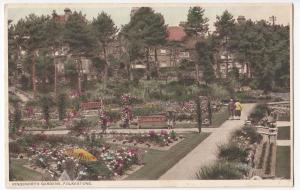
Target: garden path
(205, 153)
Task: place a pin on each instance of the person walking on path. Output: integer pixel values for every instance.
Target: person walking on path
(238, 109)
(231, 109)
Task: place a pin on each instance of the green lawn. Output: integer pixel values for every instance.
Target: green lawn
(158, 162)
(283, 133)
(283, 162)
(21, 173)
(220, 117)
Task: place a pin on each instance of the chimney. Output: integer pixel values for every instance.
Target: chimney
(68, 12)
(241, 19)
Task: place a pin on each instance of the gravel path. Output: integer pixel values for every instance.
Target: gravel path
(205, 153)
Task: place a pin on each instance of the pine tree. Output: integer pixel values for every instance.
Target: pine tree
(79, 37)
(105, 32)
(147, 28)
(224, 30)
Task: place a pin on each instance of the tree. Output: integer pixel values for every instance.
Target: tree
(105, 32)
(46, 103)
(54, 42)
(61, 105)
(44, 68)
(205, 59)
(198, 113)
(31, 34)
(224, 30)
(79, 37)
(147, 28)
(197, 24)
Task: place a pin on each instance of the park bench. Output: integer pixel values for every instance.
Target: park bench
(90, 105)
(150, 120)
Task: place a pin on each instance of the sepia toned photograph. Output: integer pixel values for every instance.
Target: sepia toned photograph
(149, 95)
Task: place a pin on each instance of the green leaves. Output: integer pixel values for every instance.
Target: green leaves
(196, 22)
(77, 35)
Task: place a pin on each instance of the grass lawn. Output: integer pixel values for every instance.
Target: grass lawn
(283, 133)
(283, 159)
(220, 117)
(158, 162)
(21, 173)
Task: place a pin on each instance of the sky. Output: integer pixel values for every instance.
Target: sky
(173, 14)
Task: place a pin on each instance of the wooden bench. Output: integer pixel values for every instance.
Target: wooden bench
(151, 119)
(91, 105)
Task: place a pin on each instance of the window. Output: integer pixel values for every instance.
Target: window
(184, 54)
(163, 51)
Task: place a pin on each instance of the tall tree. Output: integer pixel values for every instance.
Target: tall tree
(54, 42)
(32, 35)
(147, 28)
(105, 32)
(79, 37)
(205, 59)
(197, 24)
(224, 30)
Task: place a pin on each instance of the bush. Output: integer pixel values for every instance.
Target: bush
(222, 171)
(14, 147)
(259, 112)
(232, 152)
(250, 132)
(95, 169)
(147, 110)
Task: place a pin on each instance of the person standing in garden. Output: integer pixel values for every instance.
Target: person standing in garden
(238, 109)
(231, 109)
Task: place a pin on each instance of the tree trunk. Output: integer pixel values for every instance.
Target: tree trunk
(147, 64)
(199, 114)
(197, 73)
(55, 75)
(227, 58)
(79, 75)
(33, 74)
(106, 64)
(156, 62)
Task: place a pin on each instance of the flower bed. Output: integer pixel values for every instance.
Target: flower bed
(81, 160)
(156, 140)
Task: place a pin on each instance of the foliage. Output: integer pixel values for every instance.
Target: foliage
(248, 132)
(232, 153)
(196, 22)
(46, 103)
(105, 31)
(221, 171)
(61, 105)
(95, 169)
(260, 111)
(148, 29)
(81, 125)
(199, 114)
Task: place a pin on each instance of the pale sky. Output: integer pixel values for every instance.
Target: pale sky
(173, 14)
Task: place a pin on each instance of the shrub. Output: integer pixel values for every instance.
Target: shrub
(248, 132)
(61, 105)
(81, 125)
(147, 110)
(95, 169)
(222, 170)
(14, 147)
(259, 112)
(232, 152)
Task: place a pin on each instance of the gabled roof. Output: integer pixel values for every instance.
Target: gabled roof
(176, 33)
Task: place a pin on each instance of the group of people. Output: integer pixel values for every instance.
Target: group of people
(235, 109)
